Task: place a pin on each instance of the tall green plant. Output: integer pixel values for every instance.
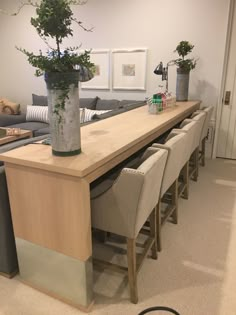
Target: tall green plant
(183, 49)
(54, 21)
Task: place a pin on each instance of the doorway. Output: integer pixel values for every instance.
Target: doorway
(226, 147)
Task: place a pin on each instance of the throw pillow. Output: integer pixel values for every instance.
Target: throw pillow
(88, 102)
(37, 113)
(89, 113)
(1, 106)
(40, 113)
(39, 100)
(9, 108)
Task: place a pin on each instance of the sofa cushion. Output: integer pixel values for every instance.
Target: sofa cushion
(109, 113)
(42, 131)
(40, 100)
(88, 102)
(134, 105)
(30, 125)
(37, 113)
(89, 113)
(125, 103)
(107, 104)
(119, 110)
(7, 120)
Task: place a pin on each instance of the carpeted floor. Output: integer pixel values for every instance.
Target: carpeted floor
(195, 272)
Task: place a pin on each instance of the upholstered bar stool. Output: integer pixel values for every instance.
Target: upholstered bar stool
(190, 128)
(200, 119)
(202, 149)
(124, 207)
(175, 146)
(194, 160)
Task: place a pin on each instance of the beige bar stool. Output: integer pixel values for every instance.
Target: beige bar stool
(194, 161)
(190, 128)
(125, 206)
(175, 145)
(202, 150)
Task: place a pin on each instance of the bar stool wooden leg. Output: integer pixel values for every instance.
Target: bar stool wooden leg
(174, 201)
(132, 270)
(153, 232)
(186, 180)
(196, 164)
(203, 149)
(158, 225)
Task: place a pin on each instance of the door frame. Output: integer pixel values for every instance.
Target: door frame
(224, 74)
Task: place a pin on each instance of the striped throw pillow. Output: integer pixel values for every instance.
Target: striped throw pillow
(40, 113)
(89, 113)
(81, 114)
(37, 113)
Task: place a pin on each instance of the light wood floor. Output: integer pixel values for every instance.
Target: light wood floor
(195, 272)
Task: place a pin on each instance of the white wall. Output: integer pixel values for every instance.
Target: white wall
(155, 24)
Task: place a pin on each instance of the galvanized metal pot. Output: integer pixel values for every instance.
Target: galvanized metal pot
(182, 85)
(64, 114)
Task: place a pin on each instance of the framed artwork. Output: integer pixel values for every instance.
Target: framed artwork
(129, 69)
(101, 80)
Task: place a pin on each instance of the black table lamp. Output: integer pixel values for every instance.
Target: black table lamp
(163, 71)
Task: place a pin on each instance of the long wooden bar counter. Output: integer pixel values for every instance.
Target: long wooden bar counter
(50, 198)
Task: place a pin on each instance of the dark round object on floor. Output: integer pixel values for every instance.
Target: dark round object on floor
(159, 308)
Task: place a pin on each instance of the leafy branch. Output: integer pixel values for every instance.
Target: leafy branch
(81, 25)
(183, 49)
(23, 4)
(54, 21)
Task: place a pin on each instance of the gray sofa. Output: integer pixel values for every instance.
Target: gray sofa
(38, 128)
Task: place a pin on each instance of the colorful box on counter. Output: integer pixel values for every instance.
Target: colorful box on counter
(159, 102)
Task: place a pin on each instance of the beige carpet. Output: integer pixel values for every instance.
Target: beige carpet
(195, 272)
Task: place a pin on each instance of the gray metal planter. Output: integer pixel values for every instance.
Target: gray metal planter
(64, 114)
(182, 85)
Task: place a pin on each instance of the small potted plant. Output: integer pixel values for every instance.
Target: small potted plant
(185, 65)
(62, 69)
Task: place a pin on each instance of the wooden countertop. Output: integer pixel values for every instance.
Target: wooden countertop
(103, 141)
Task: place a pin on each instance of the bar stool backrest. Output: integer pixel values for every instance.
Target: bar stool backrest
(125, 206)
(175, 145)
(153, 169)
(189, 127)
(208, 111)
(200, 117)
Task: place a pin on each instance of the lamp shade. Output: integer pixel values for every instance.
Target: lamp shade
(159, 69)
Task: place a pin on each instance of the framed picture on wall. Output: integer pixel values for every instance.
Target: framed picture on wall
(101, 80)
(129, 69)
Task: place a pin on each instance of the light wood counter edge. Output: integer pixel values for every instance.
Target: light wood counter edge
(115, 157)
